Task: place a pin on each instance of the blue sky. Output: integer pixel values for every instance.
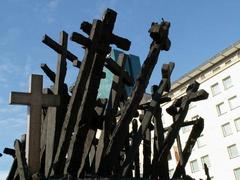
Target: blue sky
(199, 30)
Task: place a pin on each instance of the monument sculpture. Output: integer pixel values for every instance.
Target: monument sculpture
(62, 140)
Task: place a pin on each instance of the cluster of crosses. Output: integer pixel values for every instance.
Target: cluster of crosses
(61, 142)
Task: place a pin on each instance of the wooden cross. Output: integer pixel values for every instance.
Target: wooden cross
(85, 113)
(56, 115)
(61, 49)
(35, 100)
(89, 75)
(180, 109)
(195, 133)
(112, 107)
(150, 112)
(120, 132)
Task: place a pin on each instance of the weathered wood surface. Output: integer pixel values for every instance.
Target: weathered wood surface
(116, 93)
(179, 108)
(84, 117)
(22, 167)
(35, 100)
(74, 104)
(159, 138)
(60, 49)
(55, 115)
(207, 172)
(151, 110)
(160, 42)
(13, 173)
(9, 151)
(67, 147)
(195, 133)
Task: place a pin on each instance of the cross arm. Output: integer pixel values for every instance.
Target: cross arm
(56, 47)
(50, 100)
(159, 34)
(20, 98)
(116, 69)
(200, 95)
(48, 72)
(9, 151)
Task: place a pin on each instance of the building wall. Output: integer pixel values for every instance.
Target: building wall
(214, 144)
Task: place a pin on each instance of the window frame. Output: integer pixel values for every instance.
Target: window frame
(219, 109)
(193, 170)
(202, 161)
(234, 171)
(230, 152)
(225, 133)
(231, 98)
(212, 89)
(224, 84)
(237, 127)
(200, 139)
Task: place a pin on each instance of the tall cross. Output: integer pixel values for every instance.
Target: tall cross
(159, 34)
(179, 109)
(56, 115)
(112, 107)
(35, 101)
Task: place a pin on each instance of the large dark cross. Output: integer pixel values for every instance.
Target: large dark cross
(96, 50)
(159, 34)
(154, 105)
(195, 133)
(116, 93)
(180, 109)
(55, 115)
(35, 100)
(85, 116)
(61, 48)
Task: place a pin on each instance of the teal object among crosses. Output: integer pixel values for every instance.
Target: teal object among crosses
(132, 66)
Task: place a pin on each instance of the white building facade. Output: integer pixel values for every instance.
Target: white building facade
(219, 144)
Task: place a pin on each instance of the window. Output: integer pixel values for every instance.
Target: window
(201, 141)
(237, 173)
(215, 89)
(227, 82)
(226, 129)
(221, 108)
(233, 102)
(237, 124)
(216, 69)
(169, 156)
(205, 159)
(185, 129)
(228, 62)
(232, 151)
(194, 166)
(171, 171)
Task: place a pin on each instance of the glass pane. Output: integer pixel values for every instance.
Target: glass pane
(232, 151)
(171, 171)
(205, 159)
(221, 109)
(215, 89)
(194, 166)
(237, 124)
(233, 102)
(226, 129)
(227, 83)
(237, 173)
(201, 141)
